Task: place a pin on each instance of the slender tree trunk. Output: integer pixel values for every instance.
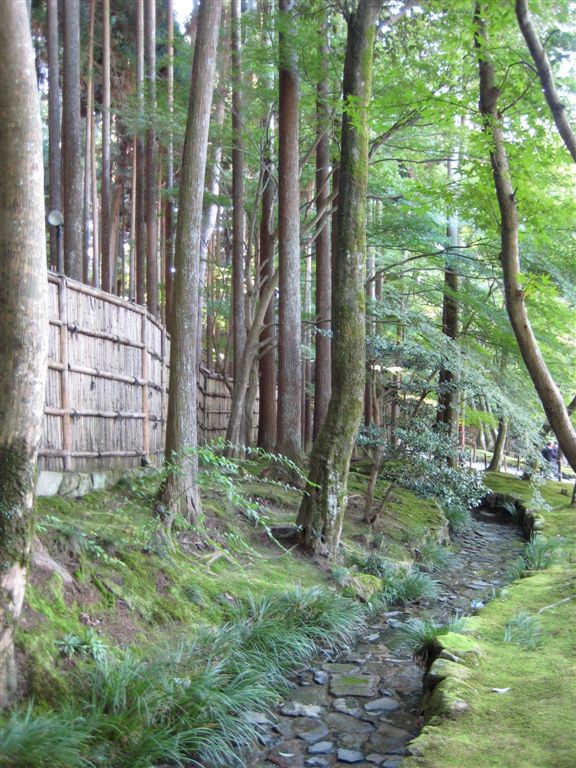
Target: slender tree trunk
(54, 115)
(180, 492)
(267, 357)
(500, 442)
(288, 441)
(150, 179)
(88, 145)
(139, 164)
(544, 70)
(548, 392)
(108, 256)
(24, 324)
(321, 514)
(238, 318)
(71, 142)
(306, 363)
(447, 392)
(169, 205)
(323, 342)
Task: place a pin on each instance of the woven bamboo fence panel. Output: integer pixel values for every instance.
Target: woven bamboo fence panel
(107, 385)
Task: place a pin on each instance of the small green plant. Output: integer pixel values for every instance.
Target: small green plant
(339, 575)
(27, 739)
(410, 587)
(419, 635)
(435, 557)
(92, 645)
(377, 565)
(539, 554)
(523, 630)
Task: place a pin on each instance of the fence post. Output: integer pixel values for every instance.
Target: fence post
(145, 421)
(64, 373)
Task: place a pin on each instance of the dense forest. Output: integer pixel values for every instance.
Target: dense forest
(360, 214)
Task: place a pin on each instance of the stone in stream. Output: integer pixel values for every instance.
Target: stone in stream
(320, 677)
(318, 762)
(347, 707)
(384, 704)
(314, 734)
(354, 685)
(346, 724)
(350, 755)
(321, 748)
(296, 709)
(334, 667)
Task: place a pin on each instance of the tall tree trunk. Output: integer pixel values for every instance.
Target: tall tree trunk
(499, 444)
(323, 342)
(322, 510)
(288, 440)
(24, 324)
(71, 142)
(180, 492)
(169, 205)
(307, 363)
(54, 114)
(88, 144)
(139, 164)
(150, 178)
(108, 255)
(238, 318)
(267, 356)
(548, 392)
(544, 70)
(447, 393)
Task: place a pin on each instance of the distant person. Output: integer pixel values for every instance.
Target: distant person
(550, 453)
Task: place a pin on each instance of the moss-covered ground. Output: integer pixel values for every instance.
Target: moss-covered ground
(522, 701)
(133, 587)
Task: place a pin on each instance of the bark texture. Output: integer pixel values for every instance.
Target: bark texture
(180, 492)
(288, 440)
(72, 142)
(322, 511)
(24, 318)
(544, 69)
(549, 394)
(54, 114)
(152, 273)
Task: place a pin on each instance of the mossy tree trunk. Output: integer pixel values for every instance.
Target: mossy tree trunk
(322, 511)
(180, 493)
(24, 318)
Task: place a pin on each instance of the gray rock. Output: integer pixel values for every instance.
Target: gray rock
(314, 734)
(375, 758)
(320, 677)
(297, 709)
(347, 707)
(321, 747)
(384, 704)
(354, 685)
(319, 762)
(340, 668)
(257, 718)
(350, 755)
(48, 483)
(344, 723)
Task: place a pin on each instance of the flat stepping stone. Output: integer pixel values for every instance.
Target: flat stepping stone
(314, 734)
(347, 724)
(385, 704)
(297, 709)
(321, 747)
(334, 667)
(354, 685)
(350, 755)
(347, 707)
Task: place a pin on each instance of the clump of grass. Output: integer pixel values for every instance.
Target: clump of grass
(339, 575)
(410, 587)
(419, 635)
(435, 557)
(523, 630)
(539, 554)
(26, 739)
(377, 565)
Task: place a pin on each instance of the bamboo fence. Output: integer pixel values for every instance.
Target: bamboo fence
(107, 385)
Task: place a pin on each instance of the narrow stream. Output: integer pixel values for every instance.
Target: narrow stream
(331, 720)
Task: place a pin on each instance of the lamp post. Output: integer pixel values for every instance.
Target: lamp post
(56, 219)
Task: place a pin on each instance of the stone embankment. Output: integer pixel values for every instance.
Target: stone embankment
(364, 707)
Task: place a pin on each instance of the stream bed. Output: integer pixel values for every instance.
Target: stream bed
(363, 707)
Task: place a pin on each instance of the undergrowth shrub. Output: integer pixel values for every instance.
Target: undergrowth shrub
(410, 587)
(436, 557)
